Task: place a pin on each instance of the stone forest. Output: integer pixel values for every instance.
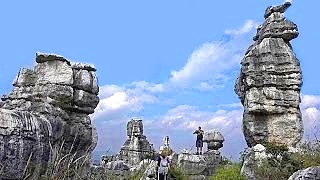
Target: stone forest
(46, 131)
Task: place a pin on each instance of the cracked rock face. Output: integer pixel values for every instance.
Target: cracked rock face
(214, 139)
(136, 147)
(48, 105)
(309, 173)
(269, 83)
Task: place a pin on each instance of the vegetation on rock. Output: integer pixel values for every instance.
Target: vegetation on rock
(281, 163)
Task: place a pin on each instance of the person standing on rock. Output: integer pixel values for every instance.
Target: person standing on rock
(199, 142)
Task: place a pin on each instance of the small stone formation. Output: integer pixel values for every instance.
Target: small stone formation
(251, 158)
(269, 83)
(47, 110)
(136, 147)
(214, 139)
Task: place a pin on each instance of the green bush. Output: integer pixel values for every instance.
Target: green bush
(281, 163)
(177, 173)
(228, 172)
(309, 154)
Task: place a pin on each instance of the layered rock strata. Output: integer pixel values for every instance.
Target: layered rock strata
(136, 147)
(269, 83)
(46, 111)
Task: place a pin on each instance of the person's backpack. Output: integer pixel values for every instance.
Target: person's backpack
(164, 165)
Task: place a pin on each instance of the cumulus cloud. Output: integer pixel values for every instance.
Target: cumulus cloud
(189, 117)
(246, 28)
(310, 109)
(206, 66)
(115, 101)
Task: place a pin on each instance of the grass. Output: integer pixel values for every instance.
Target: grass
(228, 172)
(61, 165)
(177, 173)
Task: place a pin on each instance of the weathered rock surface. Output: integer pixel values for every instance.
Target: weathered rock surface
(252, 158)
(48, 105)
(192, 164)
(198, 166)
(214, 139)
(136, 147)
(311, 173)
(269, 83)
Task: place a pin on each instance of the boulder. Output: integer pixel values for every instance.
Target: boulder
(214, 139)
(252, 157)
(191, 164)
(310, 173)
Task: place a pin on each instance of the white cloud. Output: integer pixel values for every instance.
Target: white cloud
(121, 101)
(207, 66)
(189, 117)
(232, 105)
(309, 101)
(109, 90)
(310, 109)
(149, 87)
(246, 28)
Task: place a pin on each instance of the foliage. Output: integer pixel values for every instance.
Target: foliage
(62, 165)
(309, 154)
(177, 173)
(228, 172)
(281, 164)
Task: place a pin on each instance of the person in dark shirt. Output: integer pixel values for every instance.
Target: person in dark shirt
(199, 141)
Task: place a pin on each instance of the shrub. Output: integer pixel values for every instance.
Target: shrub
(177, 173)
(281, 164)
(228, 172)
(61, 165)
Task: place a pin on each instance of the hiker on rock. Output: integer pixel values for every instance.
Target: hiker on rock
(199, 141)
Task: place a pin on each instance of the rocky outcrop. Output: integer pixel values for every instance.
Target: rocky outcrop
(311, 173)
(136, 147)
(269, 83)
(214, 139)
(252, 158)
(201, 166)
(47, 110)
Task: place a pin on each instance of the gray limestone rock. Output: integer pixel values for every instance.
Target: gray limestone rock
(117, 165)
(191, 164)
(269, 83)
(136, 147)
(214, 139)
(198, 166)
(252, 157)
(310, 173)
(45, 112)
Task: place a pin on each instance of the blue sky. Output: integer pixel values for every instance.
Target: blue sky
(172, 64)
